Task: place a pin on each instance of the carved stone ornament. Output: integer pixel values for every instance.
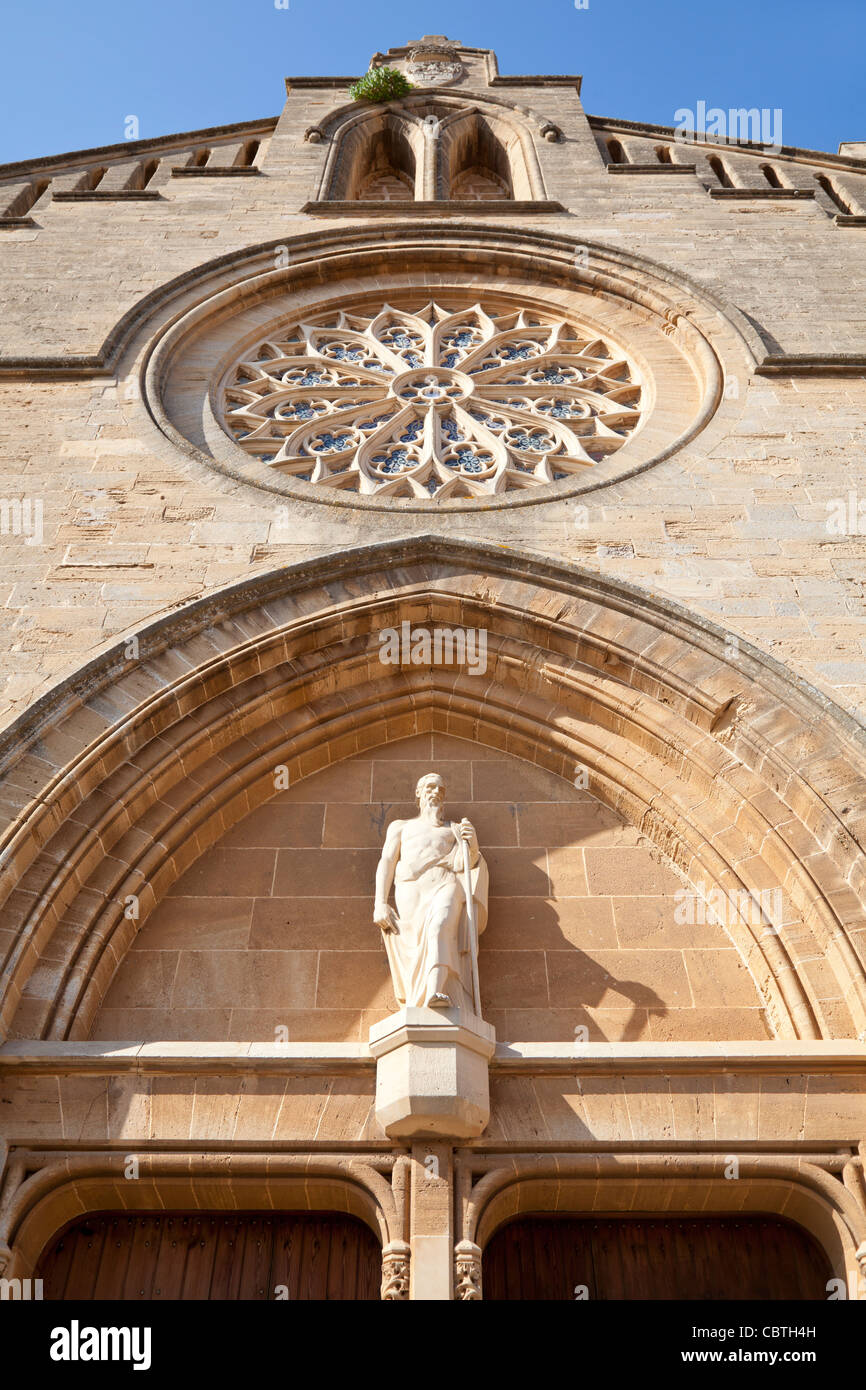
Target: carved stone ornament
(395, 1272)
(432, 401)
(434, 65)
(467, 1272)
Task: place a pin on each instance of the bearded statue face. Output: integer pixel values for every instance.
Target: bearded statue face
(430, 791)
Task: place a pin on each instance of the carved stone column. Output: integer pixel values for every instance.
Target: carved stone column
(467, 1271)
(427, 167)
(432, 1224)
(395, 1272)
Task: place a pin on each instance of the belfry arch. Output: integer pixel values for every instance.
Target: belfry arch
(386, 146)
(481, 157)
(439, 139)
(129, 771)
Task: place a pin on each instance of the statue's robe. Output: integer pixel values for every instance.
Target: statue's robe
(434, 927)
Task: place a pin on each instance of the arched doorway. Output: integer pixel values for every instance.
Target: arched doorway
(236, 1256)
(557, 1258)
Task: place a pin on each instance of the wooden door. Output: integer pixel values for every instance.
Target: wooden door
(551, 1258)
(210, 1255)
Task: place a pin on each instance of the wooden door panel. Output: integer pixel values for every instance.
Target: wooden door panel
(547, 1257)
(215, 1256)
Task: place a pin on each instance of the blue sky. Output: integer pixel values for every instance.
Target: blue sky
(73, 72)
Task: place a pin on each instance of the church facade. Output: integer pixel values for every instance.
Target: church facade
(456, 433)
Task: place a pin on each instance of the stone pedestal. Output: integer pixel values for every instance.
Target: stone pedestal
(431, 1073)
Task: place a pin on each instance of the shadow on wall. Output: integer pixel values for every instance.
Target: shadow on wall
(571, 974)
(269, 935)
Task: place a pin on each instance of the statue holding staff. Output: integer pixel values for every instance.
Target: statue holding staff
(440, 883)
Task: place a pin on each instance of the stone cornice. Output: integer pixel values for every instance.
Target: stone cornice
(452, 207)
(812, 364)
(614, 124)
(319, 83)
(552, 80)
(535, 1059)
(310, 248)
(212, 1058)
(129, 148)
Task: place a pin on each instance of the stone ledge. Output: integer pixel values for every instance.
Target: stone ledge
(26, 1055)
(652, 168)
(770, 194)
(181, 172)
(680, 1058)
(181, 1057)
(555, 80)
(325, 83)
(843, 219)
(805, 364)
(427, 208)
(95, 195)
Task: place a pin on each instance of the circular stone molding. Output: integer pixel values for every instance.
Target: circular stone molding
(433, 376)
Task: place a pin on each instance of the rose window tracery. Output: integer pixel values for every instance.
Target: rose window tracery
(432, 403)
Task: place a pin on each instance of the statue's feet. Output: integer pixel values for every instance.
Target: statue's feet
(440, 1001)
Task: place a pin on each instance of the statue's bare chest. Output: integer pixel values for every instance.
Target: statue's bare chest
(422, 842)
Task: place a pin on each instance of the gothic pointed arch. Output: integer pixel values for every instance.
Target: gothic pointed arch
(740, 776)
(481, 157)
(457, 147)
(380, 158)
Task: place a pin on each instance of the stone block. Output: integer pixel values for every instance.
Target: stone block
(432, 1073)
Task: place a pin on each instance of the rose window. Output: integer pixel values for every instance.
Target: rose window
(433, 403)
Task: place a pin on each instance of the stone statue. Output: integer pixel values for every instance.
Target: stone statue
(441, 908)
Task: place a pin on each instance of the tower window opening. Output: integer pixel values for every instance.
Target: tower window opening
(720, 171)
(834, 195)
(20, 206)
(147, 171)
